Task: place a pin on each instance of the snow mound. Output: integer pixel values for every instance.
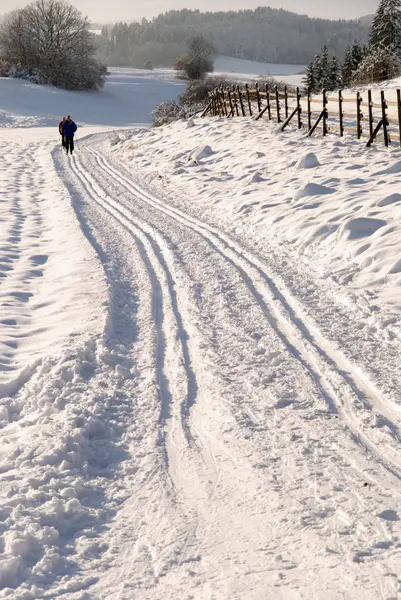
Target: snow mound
(256, 178)
(190, 124)
(313, 189)
(396, 268)
(361, 227)
(309, 161)
(392, 199)
(200, 153)
(395, 168)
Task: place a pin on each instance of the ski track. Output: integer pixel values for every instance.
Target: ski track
(209, 442)
(329, 370)
(347, 395)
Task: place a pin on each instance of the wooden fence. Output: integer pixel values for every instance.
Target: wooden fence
(367, 115)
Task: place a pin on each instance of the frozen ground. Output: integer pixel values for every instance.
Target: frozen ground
(200, 342)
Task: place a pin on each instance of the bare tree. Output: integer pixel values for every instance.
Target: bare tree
(51, 39)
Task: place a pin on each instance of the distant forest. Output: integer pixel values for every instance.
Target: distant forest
(264, 34)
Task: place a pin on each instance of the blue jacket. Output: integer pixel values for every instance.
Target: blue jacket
(69, 128)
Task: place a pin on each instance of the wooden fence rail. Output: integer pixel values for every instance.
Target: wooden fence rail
(328, 113)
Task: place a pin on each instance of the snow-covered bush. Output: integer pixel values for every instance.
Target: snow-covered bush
(33, 76)
(378, 65)
(197, 62)
(168, 112)
(4, 68)
(50, 41)
(196, 93)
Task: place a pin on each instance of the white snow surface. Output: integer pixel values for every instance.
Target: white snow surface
(250, 70)
(128, 98)
(199, 362)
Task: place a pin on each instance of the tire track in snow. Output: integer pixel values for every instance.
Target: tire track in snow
(158, 271)
(334, 376)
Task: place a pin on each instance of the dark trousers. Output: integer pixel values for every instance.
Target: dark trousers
(69, 143)
(63, 141)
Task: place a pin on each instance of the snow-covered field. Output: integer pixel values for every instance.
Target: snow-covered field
(199, 359)
(128, 97)
(250, 70)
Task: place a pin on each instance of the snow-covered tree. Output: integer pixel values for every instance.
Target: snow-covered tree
(348, 66)
(357, 54)
(50, 41)
(353, 57)
(336, 79)
(379, 65)
(323, 72)
(386, 27)
(197, 62)
(310, 76)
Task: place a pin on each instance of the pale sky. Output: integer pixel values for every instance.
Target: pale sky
(107, 11)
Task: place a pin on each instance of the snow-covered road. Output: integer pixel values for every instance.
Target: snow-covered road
(202, 432)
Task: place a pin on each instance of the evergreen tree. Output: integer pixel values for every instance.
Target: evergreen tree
(309, 80)
(354, 55)
(386, 27)
(336, 79)
(348, 66)
(323, 75)
(357, 54)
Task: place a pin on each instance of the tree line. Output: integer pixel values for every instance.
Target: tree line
(377, 60)
(264, 34)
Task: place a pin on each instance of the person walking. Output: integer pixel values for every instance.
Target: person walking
(60, 129)
(69, 128)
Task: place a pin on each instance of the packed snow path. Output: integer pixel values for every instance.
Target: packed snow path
(211, 440)
(225, 354)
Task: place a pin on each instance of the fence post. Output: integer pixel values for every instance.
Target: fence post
(384, 118)
(340, 112)
(299, 109)
(218, 101)
(231, 113)
(399, 112)
(370, 107)
(258, 98)
(358, 115)
(241, 101)
(309, 110)
(286, 101)
(222, 102)
(325, 113)
(235, 101)
(249, 99)
(210, 104)
(278, 105)
(269, 112)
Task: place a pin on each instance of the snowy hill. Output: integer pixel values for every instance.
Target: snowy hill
(128, 97)
(200, 335)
